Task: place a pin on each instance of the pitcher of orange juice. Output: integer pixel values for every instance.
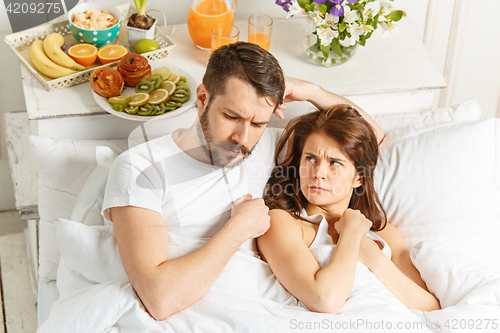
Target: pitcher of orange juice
(202, 17)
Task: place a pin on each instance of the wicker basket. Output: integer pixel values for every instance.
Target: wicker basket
(20, 44)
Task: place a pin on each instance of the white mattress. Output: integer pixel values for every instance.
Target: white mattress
(47, 295)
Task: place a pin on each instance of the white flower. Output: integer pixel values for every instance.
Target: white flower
(348, 41)
(332, 21)
(317, 19)
(295, 9)
(372, 8)
(357, 30)
(385, 6)
(389, 29)
(326, 35)
(350, 16)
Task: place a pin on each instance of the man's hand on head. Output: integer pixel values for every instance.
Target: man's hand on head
(296, 90)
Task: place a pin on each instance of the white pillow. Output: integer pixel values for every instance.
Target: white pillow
(442, 183)
(90, 250)
(465, 111)
(453, 278)
(88, 206)
(63, 166)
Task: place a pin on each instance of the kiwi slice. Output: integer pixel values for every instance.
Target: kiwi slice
(180, 96)
(156, 79)
(182, 85)
(118, 107)
(181, 91)
(172, 105)
(122, 99)
(146, 110)
(155, 110)
(145, 86)
(131, 109)
(183, 79)
(160, 109)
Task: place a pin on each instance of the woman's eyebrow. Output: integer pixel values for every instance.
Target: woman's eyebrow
(328, 157)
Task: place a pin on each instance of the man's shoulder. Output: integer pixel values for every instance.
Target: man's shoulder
(146, 152)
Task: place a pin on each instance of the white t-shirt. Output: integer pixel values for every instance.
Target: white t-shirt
(192, 197)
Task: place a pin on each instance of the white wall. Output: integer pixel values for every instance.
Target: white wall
(460, 35)
(461, 38)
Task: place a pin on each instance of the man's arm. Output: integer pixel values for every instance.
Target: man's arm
(167, 286)
(298, 90)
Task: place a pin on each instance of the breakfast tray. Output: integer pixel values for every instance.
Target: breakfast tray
(20, 44)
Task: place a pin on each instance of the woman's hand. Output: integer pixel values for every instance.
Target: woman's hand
(353, 221)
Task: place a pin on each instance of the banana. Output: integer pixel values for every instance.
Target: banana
(44, 64)
(52, 46)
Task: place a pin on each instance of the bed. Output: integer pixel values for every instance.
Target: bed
(438, 177)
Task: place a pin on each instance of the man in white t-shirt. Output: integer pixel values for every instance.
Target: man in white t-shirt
(182, 204)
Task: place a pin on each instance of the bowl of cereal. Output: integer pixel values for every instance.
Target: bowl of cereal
(94, 23)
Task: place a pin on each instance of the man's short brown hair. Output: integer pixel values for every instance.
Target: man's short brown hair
(250, 63)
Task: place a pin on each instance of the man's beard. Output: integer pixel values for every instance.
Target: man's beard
(221, 154)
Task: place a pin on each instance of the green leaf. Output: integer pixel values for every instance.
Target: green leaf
(342, 27)
(335, 47)
(311, 7)
(362, 40)
(304, 3)
(375, 21)
(368, 35)
(322, 9)
(395, 15)
(140, 5)
(325, 50)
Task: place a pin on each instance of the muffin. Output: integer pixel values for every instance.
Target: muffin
(134, 68)
(107, 82)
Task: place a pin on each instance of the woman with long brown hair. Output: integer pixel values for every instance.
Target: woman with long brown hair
(323, 194)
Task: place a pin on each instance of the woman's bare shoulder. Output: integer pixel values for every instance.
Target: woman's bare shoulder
(283, 222)
(283, 236)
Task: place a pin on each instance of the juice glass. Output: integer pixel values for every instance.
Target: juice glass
(224, 34)
(203, 16)
(259, 30)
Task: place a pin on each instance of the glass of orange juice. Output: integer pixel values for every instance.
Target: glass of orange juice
(203, 16)
(260, 27)
(224, 34)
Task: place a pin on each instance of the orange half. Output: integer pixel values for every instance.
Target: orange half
(111, 53)
(84, 54)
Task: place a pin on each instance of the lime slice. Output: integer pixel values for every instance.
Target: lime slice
(138, 99)
(158, 96)
(122, 100)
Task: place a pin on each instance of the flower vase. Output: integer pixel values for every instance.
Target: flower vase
(311, 46)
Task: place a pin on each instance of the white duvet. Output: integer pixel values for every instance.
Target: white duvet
(96, 296)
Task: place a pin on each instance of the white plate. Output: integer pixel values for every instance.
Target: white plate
(103, 102)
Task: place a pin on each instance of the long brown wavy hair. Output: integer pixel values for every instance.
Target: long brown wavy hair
(358, 141)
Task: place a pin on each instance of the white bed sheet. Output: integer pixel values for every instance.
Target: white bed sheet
(48, 293)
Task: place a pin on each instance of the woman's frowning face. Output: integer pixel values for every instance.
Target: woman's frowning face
(327, 175)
